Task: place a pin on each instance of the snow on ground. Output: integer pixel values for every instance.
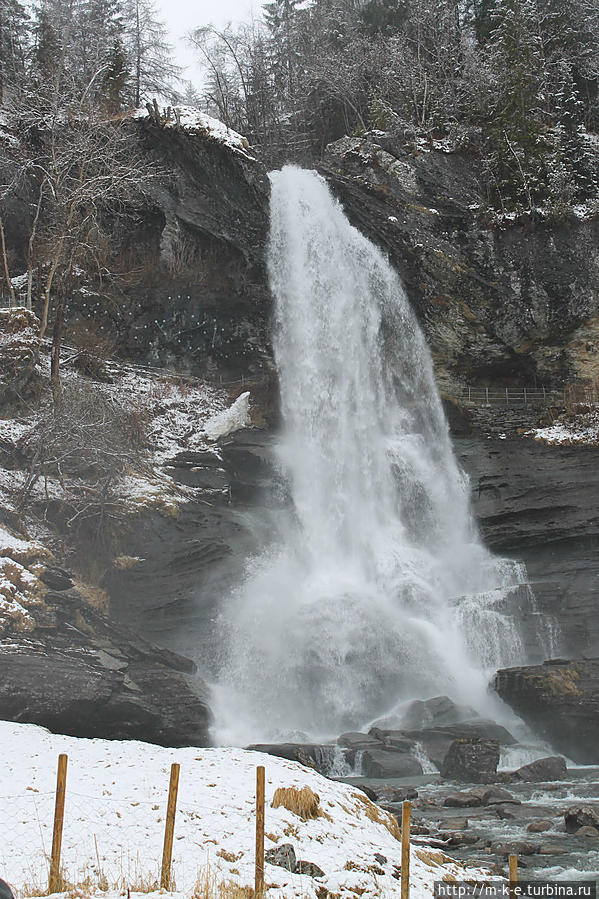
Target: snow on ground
(194, 121)
(115, 809)
(580, 428)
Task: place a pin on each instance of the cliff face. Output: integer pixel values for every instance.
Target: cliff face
(504, 301)
(202, 296)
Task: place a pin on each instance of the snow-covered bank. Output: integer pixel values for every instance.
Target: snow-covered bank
(579, 427)
(115, 809)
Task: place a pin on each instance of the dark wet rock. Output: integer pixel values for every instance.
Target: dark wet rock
(456, 839)
(437, 740)
(552, 850)
(387, 793)
(578, 816)
(381, 859)
(421, 714)
(465, 799)
(474, 760)
(283, 856)
(454, 824)
(309, 868)
(552, 768)
(515, 847)
(356, 740)
(5, 890)
(540, 825)
(75, 672)
(56, 578)
(504, 814)
(498, 796)
(388, 763)
(307, 754)
(589, 832)
(561, 703)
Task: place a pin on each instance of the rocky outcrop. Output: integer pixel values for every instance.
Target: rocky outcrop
(499, 300)
(538, 503)
(75, 673)
(560, 701)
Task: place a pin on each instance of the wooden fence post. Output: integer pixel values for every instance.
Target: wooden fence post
(513, 864)
(169, 828)
(405, 849)
(259, 879)
(55, 880)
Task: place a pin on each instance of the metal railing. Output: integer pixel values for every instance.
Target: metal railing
(509, 397)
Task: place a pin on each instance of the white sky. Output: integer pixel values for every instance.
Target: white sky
(182, 16)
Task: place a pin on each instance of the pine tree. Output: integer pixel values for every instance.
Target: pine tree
(115, 82)
(573, 171)
(14, 46)
(154, 72)
(516, 125)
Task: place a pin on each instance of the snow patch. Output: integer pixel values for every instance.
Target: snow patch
(194, 121)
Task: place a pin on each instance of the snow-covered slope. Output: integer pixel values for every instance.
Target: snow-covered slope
(115, 810)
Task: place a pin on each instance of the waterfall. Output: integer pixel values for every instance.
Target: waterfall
(377, 587)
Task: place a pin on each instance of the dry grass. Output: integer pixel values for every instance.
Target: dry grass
(95, 596)
(208, 887)
(374, 813)
(303, 802)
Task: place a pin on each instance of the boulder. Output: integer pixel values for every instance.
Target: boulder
(283, 856)
(498, 796)
(427, 713)
(589, 832)
(551, 768)
(436, 740)
(469, 799)
(560, 702)
(309, 868)
(358, 741)
(388, 793)
(305, 753)
(540, 825)
(516, 847)
(77, 673)
(473, 760)
(386, 763)
(578, 816)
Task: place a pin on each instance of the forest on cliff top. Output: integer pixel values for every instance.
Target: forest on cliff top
(514, 82)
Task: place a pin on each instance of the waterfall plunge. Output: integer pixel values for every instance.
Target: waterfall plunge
(377, 588)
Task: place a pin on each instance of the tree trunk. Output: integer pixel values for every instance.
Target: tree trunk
(57, 336)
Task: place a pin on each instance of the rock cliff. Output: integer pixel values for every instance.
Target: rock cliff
(500, 300)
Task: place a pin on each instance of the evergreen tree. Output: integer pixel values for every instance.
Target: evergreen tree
(573, 170)
(516, 125)
(14, 41)
(153, 71)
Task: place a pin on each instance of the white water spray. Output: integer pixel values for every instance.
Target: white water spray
(378, 588)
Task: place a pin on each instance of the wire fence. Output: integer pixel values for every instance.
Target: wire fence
(136, 834)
